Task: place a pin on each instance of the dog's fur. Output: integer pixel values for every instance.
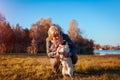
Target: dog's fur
(67, 66)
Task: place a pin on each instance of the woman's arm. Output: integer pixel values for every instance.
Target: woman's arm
(49, 53)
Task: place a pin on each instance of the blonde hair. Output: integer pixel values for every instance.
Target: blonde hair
(54, 31)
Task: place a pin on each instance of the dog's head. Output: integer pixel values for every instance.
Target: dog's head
(63, 49)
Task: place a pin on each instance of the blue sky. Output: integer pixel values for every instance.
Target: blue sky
(97, 19)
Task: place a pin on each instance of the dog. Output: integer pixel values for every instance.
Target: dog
(67, 66)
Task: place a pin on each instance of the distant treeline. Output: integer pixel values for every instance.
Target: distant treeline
(106, 47)
(15, 39)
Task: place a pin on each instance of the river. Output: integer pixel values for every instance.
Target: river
(103, 52)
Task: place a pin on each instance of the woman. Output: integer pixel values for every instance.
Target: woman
(55, 37)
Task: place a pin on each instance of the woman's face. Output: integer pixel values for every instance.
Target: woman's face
(56, 37)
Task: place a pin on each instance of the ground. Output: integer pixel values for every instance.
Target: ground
(37, 67)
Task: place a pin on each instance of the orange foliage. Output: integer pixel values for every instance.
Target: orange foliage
(84, 45)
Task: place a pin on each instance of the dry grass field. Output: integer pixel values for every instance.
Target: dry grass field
(37, 67)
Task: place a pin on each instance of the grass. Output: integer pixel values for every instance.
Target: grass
(37, 67)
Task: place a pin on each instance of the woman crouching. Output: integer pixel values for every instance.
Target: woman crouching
(54, 39)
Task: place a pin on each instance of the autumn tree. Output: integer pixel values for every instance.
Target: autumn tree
(39, 32)
(97, 46)
(84, 45)
(6, 37)
(74, 32)
(22, 39)
(33, 48)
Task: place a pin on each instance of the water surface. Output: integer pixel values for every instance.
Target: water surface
(103, 52)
